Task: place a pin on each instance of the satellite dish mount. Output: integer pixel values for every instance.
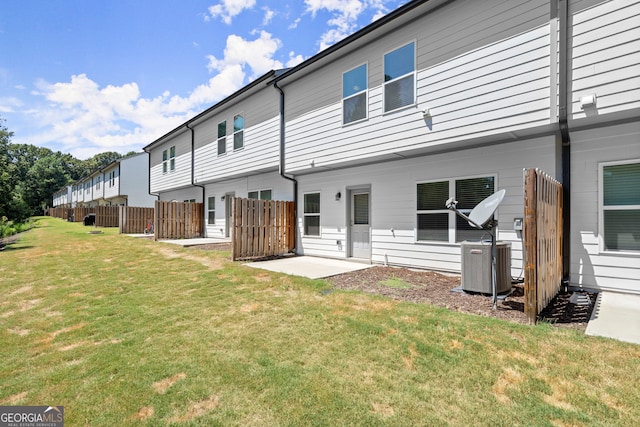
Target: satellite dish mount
(481, 217)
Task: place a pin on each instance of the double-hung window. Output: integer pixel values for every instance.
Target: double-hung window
(399, 78)
(312, 214)
(222, 137)
(165, 161)
(620, 216)
(211, 209)
(435, 222)
(260, 194)
(354, 95)
(238, 132)
(172, 158)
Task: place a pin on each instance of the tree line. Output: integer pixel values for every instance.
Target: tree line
(30, 175)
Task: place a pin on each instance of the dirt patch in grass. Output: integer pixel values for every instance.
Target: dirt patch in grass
(162, 386)
(198, 409)
(437, 289)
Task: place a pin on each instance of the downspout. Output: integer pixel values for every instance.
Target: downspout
(282, 164)
(157, 196)
(566, 139)
(193, 174)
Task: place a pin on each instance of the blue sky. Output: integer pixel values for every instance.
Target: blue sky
(88, 76)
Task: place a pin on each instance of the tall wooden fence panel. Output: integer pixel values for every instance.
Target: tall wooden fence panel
(62, 213)
(80, 213)
(542, 241)
(177, 220)
(262, 228)
(107, 216)
(135, 220)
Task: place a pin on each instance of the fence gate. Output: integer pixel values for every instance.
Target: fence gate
(178, 220)
(135, 220)
(542, 241)
(262, 228)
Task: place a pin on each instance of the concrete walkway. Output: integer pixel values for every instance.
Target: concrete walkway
(311, 267)
(616, 316)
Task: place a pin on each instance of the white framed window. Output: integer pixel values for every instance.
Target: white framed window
(172, 158)
(354, 95)
(400, 78)
(222, 137)
(189, 200)
(211, 209)
(238, 131)
(165, 161)
(311, 214)
(260, 194)
(620, 206)
(434, 222)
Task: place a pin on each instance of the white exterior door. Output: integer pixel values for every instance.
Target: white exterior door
(228, 213)
(359, 224)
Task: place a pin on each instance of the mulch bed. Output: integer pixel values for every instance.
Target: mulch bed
(437, 289)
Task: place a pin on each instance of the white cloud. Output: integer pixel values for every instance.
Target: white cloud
(83, 118)
(344, 16)
(268, 16)
(9, 104)
(229, 9)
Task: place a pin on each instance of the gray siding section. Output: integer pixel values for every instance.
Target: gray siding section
(393, 202)
(591, 266)
(606, 58)
(473, 89)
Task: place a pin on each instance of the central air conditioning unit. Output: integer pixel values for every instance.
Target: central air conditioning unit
(476, 267)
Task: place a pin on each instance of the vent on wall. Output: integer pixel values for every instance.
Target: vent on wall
(476, 267)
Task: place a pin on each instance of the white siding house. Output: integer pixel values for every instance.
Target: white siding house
(125, 182)
(230, 149)
(456, 98)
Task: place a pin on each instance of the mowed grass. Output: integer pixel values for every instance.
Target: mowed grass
(125, 331)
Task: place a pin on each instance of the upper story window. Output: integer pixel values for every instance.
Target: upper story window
(354, 95)
(260, 194)
(169, 159)
(98, 183)
(222, 137)
(620, 216)
(238, 132)
(399, 78)
(435, 221)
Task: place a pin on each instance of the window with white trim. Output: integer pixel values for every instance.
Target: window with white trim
(435, 222)
(312, 214)
(238, 132)
(165, 159)
(260, 194)
(222, 137)
(399, 78)
(211, 209)
(354, 95)
(620, 217)
(172, 158)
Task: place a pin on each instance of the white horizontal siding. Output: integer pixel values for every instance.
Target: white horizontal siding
(181, 176)
(590, 266)
(483, 90)
(393, 204)
(606, 58)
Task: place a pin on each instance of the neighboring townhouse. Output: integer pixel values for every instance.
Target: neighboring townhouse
(123, 182)
(230, 150)
(456, 98)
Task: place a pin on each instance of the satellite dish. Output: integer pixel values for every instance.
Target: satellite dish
(485, 209)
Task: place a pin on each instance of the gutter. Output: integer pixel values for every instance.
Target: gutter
(193, 174)
(563, 51)
(282, 165)
(157, 196)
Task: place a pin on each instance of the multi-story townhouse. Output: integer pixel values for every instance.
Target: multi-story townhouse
(447, 99)
(123, 182)
(231, 149)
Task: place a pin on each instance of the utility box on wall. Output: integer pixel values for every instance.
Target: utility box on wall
(476, 267)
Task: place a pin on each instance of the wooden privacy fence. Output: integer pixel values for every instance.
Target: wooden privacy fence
(80, 213)
(262, 228)
(542, 241)
(134, 220)
(62, 213)
(177, 220)
(107, 216)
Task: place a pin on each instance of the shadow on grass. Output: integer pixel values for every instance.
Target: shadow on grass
(11, 248)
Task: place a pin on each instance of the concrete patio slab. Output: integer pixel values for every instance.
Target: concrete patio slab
(311, 267)
(617, 316)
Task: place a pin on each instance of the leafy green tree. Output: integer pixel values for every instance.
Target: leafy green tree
(6, 184)
(45, 177)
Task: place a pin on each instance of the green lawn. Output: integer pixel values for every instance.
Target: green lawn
(124, 331)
